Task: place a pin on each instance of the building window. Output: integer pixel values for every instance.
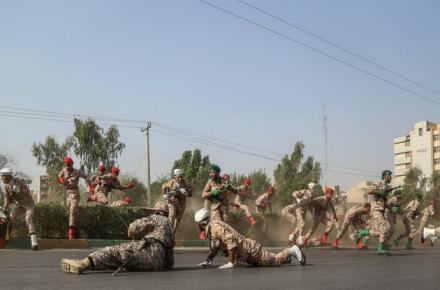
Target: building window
(407, 143)
(437, 161)
(420, 131)
(407, 154)
(436, 137)
(436, 149)
(408, 166)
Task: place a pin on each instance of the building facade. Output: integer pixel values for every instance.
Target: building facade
(359, 194)
(420, 148)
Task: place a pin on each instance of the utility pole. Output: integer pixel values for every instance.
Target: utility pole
(326, 147)
(147, 157)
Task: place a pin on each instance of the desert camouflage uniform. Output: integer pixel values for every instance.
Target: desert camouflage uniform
(219, 206)
(240, 199)
(263, 202)
(323, 212)
(413, 210)
(71, 180)
(17, 192)
(177, 202)
(301, 203)
(289, 213)
(105, 185)
(392, 216)
(354, 217)
(379, 225)
(156, 254)
(427, 214)
(223, 236)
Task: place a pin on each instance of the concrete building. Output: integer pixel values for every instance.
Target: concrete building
(359, 193)
(420, 148)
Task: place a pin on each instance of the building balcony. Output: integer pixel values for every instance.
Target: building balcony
(398, 161)
(401, 171)
(402, 150)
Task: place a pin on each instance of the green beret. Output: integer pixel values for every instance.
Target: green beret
(386, 173)
(215, 168)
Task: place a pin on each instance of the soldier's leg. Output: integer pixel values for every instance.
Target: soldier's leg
(172, 213)
(29, 219)
(268, 259)
(178, 218)
(246, 210)
(225, 212)
(315, 223)
(343, 230)
(300, 222)
(288, 214)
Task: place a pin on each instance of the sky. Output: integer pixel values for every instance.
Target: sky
(193, 67)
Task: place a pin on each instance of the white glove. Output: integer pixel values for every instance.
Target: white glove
(298, 200)
(183, 191)
(229, 265)
(205, 264)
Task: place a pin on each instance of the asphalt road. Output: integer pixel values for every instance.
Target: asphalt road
(326, 269)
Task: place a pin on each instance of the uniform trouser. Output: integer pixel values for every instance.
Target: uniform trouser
(320, 218)
(101, 197)
(300, 213)
(73, 199)
(219, 212)
(423, 223)
(29, 214)
(379, 226)
(268, 259)
(151, 258)
(346, 224)
(289, 213)
(408, 227)
(391, 219)
(412, 226)
(176, 210)
(243, 207)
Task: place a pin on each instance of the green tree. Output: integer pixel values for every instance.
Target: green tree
(196, 168)
(260, 180)
(50, 154)
(93, 145)
(414, 182)
(293, 173)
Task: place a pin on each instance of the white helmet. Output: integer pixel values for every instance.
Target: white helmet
(311, 185)
(201, 215)
(177, 172)
(6, 171)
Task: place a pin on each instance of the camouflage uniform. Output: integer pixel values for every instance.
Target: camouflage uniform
(177, 202)
(427, 214)
(219, 206)
(289, 212)
(17, 192)
(106, 183)
(71, 180)
(301, 202)
(240, 199)
(391, 215)
(354, 217)
(223, 236)
(154, 253)
(413, 210)
(323, 212)
(263, 202)
(379, 225)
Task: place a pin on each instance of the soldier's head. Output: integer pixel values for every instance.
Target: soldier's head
(161, 208)
(387, 176)
(329, 193)
(68, 162)
(115, 172)
(6, 174)
(226, 178)
(367, 207)
(215, 171)
(127, 200)
(311, 186)
(201, 217)
(101, 168)
(270, 190)
(178, 174)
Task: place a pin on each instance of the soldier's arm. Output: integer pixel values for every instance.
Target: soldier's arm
(61, 176)
(5, 198)
(141, 226)
(207, 191)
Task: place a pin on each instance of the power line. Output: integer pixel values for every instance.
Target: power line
(321, 52)
(340, 47)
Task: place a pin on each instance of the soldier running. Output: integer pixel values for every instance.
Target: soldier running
(15, 190)
(264, 201)
(412, 211)
(301, 203)
(153, 253)
(239, 202)
(94, 181)
(427, 215)
(241, 250)
(380, 227)
(175, 192)
(355, 217)
(70, 176)
(323, 212)
(395, 207)
(106, 183)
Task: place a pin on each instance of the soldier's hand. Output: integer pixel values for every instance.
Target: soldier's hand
(205, 264)
(229, 265)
